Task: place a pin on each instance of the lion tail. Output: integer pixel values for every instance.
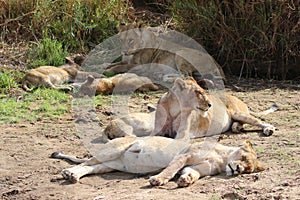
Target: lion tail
(272, 108)
(59, 155)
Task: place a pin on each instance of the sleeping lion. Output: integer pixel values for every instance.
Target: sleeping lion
(126, 82)
(151, 154)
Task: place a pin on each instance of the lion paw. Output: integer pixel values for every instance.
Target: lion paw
(236, 127)
(185, 180)
(157, 181)
(269, 130)
(68, 175)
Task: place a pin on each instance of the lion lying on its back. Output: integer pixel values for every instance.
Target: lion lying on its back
(149, 154)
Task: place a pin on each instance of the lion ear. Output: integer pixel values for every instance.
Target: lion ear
(248, 145)
(179, 84)
(259, 167)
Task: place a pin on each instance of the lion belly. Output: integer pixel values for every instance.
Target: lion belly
(56, 75)
(148, 154)
(220, 120)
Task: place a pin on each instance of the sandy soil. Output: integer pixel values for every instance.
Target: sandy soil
(27, 172)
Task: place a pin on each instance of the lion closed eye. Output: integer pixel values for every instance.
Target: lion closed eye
(150, 154)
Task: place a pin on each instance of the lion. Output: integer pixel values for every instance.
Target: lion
(144, 155)
(161, 50)
(54, 77)
(126, 82)
(137, 124)
(188, 111)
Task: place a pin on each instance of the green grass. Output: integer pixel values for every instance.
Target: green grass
(42, 103)
(76, 24)
(103, 100)
(46, 52)
(215, 197)
(8, 81)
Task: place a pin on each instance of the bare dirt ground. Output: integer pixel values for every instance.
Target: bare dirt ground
(27, 172)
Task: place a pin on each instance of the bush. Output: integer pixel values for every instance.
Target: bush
(255, 38)
(8, 81)
(77, 24)
(47, 52)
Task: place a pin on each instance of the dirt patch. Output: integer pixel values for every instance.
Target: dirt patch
(27, 172)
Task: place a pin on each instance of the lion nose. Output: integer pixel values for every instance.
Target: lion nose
(209, 105)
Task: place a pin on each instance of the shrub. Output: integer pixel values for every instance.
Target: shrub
(8, 81)
(255, 38)
(46, 52)
(77, 24)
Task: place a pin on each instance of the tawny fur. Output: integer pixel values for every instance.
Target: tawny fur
(151, 154)
(126, 82)
(187, 111)
(54, 77)
(148, 47)
(134, 124)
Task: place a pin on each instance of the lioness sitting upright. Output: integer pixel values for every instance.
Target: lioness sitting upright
(150, 154)
(187, 111)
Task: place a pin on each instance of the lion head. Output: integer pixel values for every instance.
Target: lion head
(191, 95)
(96, 86)
(244, 161)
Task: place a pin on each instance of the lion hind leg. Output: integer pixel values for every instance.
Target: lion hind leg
(75, 173)
(244, 118)
(188, 177)
(47, 83)
(119, 68)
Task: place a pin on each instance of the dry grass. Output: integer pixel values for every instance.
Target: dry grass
(248, 38)
(254, 38)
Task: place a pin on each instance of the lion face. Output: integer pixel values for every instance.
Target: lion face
(244, 161)
(134, 38)
(190, 94)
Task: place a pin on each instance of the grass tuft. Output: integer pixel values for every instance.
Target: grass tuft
(8, 81)
(42, 103)
(46, 52)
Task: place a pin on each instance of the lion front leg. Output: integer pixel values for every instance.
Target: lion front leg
(188, 177)
(244, 118)
(168, 173)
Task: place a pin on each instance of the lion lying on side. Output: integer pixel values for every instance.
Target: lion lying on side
(162, 48)
(118, 83)
(54, 77)
(150, 154)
